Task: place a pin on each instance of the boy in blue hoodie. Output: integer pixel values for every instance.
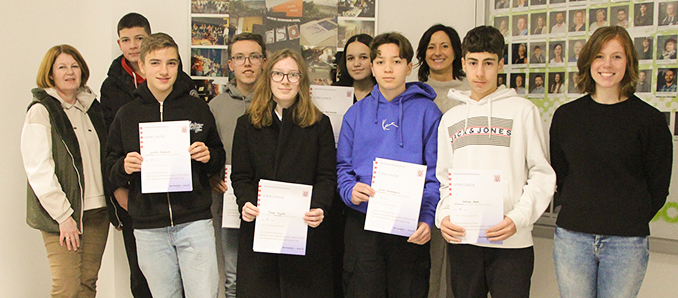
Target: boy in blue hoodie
(396, 121)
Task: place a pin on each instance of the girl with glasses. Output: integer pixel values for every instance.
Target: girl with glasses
(284, 137)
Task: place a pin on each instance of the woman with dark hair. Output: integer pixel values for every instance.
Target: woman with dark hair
(557, 86)
(284, 137)
(557, 54)
(354, 66)
(612, 153)
(61, 146)
(669, 49)
(439, 55)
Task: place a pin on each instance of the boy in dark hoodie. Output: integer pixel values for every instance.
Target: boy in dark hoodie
(174, 232)
(396, 121)
(123, 79)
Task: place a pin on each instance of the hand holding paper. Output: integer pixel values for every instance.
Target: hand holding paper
(133, 162)
(361, 193)
(450, 231)
(314, 217)
(421, 235)
(249, 212)
(217, 184)
(199, 152)
(502, 231)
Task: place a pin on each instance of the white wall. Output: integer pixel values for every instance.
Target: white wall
(414, 18)
(31, 27)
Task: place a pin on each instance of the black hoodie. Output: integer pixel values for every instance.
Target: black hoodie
(159, 210)
(116, 91)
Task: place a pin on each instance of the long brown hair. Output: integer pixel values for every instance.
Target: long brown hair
(627, 86)
(304, 112)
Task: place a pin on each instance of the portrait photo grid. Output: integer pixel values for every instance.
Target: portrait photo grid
(544, 39)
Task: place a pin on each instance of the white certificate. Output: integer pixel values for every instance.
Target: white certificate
(333, 101)
(230, 213)
(280, 226)
(167, 162)
(399, 187)
(476, 202)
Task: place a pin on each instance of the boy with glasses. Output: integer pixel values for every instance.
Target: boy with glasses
(247, 53)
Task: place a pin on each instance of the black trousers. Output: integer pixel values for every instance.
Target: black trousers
(501, 271)
(380, 265)
(138, 284)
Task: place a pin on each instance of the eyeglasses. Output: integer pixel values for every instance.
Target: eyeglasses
(292, 77)
(238, 60)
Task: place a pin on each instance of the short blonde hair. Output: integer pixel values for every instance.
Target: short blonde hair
(304, 112)
(44, 78)
(157, 41)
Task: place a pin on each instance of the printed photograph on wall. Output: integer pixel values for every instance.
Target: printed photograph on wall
(316, 28)
(210, 88)
(209, 6)
(644, 47)
(644, 13)
(350, 27)
(209, 31)
(360, 8)
(209, 62)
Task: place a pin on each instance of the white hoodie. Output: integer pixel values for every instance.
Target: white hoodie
(516, 146)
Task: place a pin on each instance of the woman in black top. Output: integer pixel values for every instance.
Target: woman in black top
(612, 154)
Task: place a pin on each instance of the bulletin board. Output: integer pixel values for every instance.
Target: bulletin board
(543, 39)
(315, 28)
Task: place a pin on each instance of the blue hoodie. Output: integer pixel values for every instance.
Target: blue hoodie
(404, 129)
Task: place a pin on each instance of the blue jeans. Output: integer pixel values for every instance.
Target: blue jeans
(179, 259)
(590, 265)
(229, 250)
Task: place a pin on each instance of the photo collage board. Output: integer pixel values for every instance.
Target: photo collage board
(544, 38)
(315, 28)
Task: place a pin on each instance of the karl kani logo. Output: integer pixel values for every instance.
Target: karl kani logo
(386, 126)
(196, 127)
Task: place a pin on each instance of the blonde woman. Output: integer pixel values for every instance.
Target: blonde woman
(61, 146)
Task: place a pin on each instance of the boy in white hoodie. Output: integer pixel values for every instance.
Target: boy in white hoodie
(493, 129)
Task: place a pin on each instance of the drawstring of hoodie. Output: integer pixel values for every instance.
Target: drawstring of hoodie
(376, 112)
(489, 116)
(400, 124)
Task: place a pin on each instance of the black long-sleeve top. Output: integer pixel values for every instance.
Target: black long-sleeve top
(613, 165)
